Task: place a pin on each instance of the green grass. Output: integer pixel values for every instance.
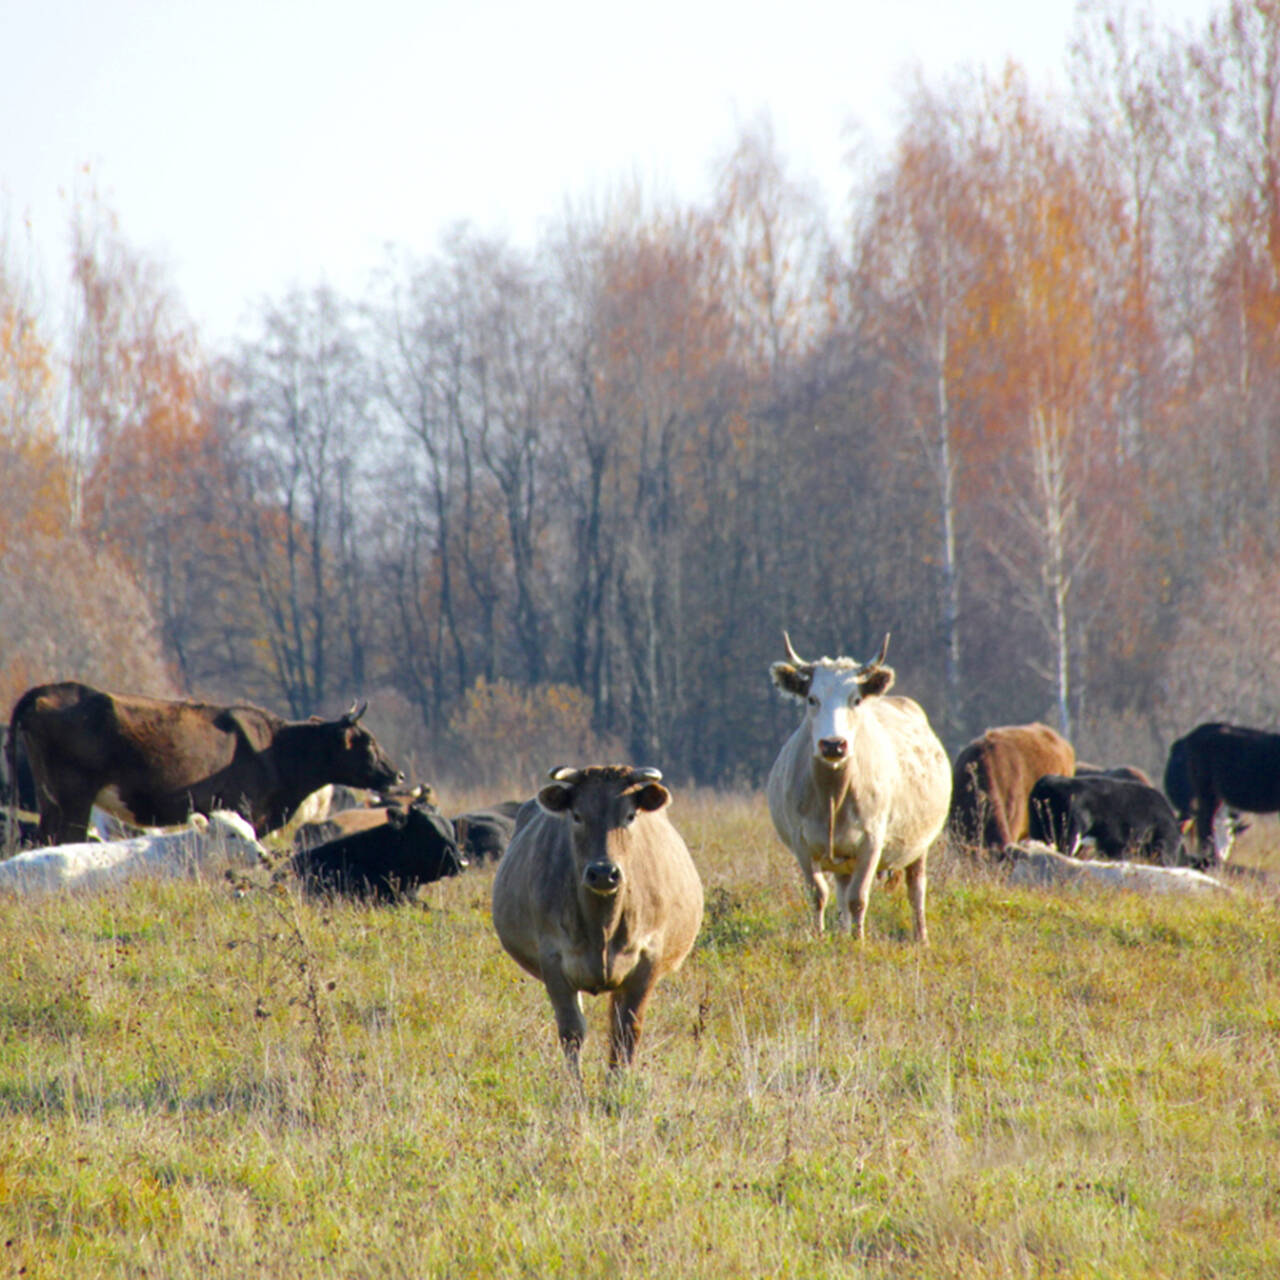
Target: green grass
(194, 1084)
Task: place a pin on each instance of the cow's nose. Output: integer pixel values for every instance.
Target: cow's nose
(603, 877)
(833, 748)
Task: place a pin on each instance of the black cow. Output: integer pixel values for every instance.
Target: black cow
(1125, 819)
(1177, 786)
(483, 834)
(154, 762)
(414, 846)
(1227, 764)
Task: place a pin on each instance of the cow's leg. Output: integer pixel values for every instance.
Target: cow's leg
(917, 881)
(819, 891)
(1223, 834)
(854, 894)
(626, 1015)
(65, 820)
(567, 1003)
(1206, 809)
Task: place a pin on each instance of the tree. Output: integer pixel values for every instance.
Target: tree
(301, 407)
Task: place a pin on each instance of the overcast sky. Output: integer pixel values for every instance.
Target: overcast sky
(253, 145)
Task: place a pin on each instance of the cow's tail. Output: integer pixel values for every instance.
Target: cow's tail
(11, 763)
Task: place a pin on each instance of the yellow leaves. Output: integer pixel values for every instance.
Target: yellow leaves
(514, 732)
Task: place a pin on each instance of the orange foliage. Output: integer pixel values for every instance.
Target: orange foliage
(510, 734)
(33, 476)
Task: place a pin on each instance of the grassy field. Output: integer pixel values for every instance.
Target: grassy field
(195, 1084)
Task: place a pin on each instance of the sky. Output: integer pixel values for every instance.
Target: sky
(250, 147)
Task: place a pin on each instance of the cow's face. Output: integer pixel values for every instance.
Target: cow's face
(832, 690)
(602, 809)
(364, 763)
(433, 837)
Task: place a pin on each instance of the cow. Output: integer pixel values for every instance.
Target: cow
(385, 863)
(154, 762)
(1129, 771)
(1035, 864)
(598, 892)
(992, 780)
(1233, 766)
(484, 834)
(1124, 819)
(372, 812)
(222, 840)
(1227, 824)
(861, 786)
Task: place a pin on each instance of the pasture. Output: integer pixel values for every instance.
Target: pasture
(199, 1084)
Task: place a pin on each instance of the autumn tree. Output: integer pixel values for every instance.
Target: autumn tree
(299, 399)
(924, 262)
(465, 368)
(33, 474)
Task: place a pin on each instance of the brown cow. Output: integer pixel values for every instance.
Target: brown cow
(154, 762)
(597, 892)
(992, 781)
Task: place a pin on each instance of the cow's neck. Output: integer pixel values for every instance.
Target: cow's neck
(832, 787)
(291, 773)
(604, 921)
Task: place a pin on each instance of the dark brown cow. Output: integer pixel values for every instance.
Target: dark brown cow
(155, 762)
(992, 781)
(597, 892)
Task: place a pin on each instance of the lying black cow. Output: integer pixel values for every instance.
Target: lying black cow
(414, 846)
(1227, 764)
(483, 834)
(1125, 819)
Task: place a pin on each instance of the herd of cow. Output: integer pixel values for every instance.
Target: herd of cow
(595, 889)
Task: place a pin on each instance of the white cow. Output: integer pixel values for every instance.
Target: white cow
(1037, 864)
(224, 839)
(863, 785)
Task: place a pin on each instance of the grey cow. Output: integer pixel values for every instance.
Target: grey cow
(597, 892)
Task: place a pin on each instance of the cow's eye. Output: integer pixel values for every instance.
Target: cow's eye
(577, 817)
(629, 819)
(813, 699)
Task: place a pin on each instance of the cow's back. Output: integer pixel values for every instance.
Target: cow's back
(1234, 764)
(72, 725)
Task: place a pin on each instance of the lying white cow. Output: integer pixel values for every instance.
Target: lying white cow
(224, 839)
(1034, 863)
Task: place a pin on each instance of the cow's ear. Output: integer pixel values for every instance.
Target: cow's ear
(877, 681)
(555, 797)
(791, 680)
(652, 796)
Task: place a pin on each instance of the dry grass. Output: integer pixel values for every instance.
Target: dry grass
(195, 1084)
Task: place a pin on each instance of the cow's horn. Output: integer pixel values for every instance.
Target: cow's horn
(563, 773)
(792, 655)
(357, 710)
(878, 660)
(647, 774)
